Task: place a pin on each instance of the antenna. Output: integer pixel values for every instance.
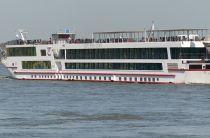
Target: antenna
(152, 30)
(145, 35)
(21, 34)
(153, 26)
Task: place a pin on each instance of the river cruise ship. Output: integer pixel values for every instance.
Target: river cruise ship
(148, 56)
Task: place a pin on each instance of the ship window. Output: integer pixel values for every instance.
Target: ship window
(36, 64)
(149, 79)
(118, 53)
(207, 66)
(195, 67)
(153, 79)
(21, 51)
(141, 79)
(145, 79)
(115, 66)
(188, 53)
(120, 78)
(136, 79)
(110, 78)
(43, 53)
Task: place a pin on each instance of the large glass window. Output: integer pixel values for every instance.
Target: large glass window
(207, 66)
(115, 66)
(60, 54)
(122, 53)
(195, 67)
(188, 53)
(21, 51)
(36, 64)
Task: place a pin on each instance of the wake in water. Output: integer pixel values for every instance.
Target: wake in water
(5, 77)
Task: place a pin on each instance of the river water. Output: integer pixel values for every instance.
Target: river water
(54, 109)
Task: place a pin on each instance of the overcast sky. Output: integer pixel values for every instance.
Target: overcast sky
(43, 17)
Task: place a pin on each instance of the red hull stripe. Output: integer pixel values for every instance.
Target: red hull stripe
(189, 69)
(87, 73)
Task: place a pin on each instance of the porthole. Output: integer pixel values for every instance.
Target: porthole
(110, 78)
(141, 79)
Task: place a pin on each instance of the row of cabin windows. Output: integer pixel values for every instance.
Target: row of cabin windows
(115, 66)
(98, 78)
(43, 76)
(117, 53)
(21, 51)
(36, 64)
(134, 53)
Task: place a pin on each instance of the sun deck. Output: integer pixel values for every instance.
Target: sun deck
(123, 37)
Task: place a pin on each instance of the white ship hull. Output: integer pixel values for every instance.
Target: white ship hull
(58, 62)
(179, 77)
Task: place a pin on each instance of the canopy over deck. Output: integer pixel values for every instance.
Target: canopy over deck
(151, 35)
